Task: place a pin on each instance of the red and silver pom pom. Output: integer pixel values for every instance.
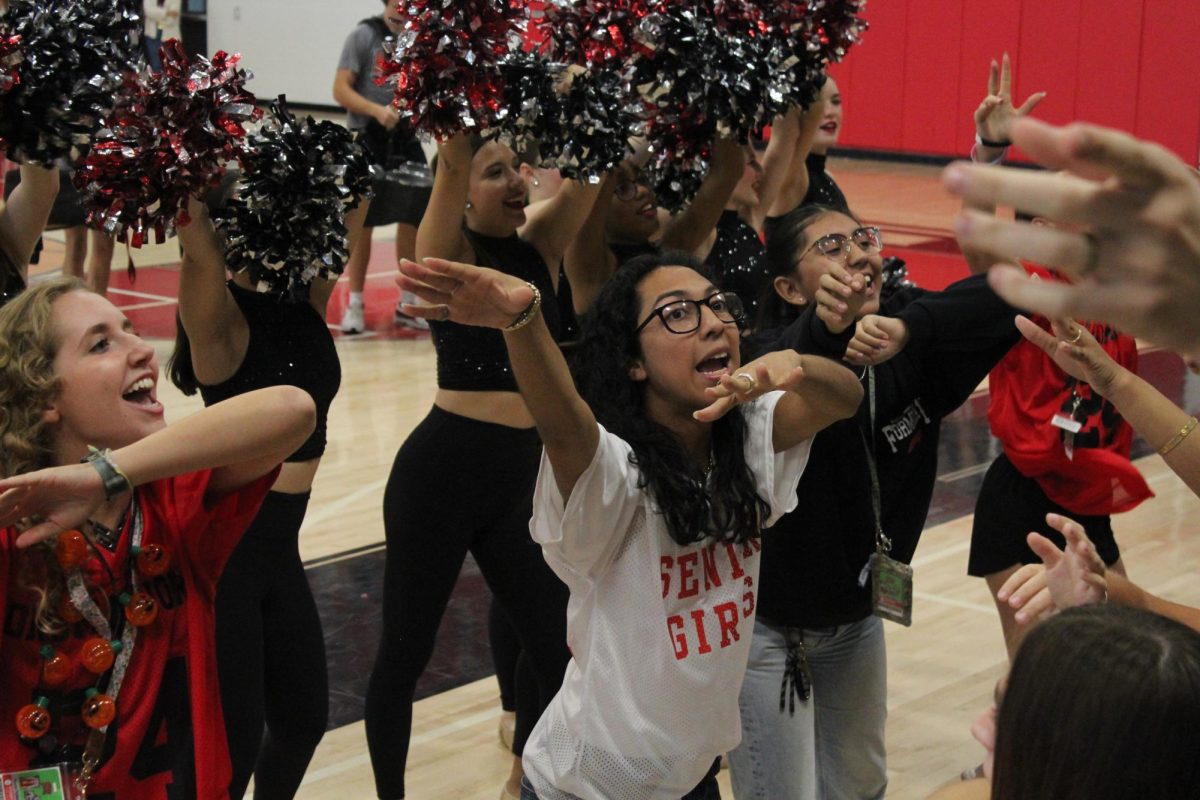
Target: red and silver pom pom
(171, 136)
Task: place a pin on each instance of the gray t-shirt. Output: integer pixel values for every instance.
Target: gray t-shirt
(359, 54)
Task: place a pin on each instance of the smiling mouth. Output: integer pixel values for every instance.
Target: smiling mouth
(141, 394)
(714, 366)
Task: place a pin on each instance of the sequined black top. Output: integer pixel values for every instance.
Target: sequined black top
(822, 190)
(474, 359)
(289, 345)
(738, 261)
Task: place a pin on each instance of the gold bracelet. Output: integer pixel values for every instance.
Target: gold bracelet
(526, 316)
(1178, 438)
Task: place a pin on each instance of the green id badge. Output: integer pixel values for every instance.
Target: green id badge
(891, 589)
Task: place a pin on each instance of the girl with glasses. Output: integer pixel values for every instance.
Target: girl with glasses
(657, 476)
(814, 701)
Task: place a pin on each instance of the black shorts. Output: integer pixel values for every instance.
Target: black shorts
(394, 200)
(1009, 507)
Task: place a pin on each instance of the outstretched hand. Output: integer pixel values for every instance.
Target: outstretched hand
(1075, 351)
(57, 499)
(1133, 241)
(463, 293)
(995, 115)
(876, 340)
(1065, 578)
(771, 372)
(840, 296)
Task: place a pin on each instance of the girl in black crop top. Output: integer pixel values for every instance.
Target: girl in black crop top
(270, 649)
(463, 481)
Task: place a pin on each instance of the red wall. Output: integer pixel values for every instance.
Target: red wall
(917, 76)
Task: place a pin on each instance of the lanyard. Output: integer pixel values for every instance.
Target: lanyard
(882, 543)
(82, 599)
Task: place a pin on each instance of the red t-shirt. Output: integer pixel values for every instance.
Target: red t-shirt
(169, 729)
(1028, 389)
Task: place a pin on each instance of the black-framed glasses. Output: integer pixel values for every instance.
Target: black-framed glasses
(683, 316)
(837, 245)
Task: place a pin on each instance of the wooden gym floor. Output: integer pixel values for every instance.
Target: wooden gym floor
(941, 670)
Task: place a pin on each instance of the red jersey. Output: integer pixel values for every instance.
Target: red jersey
(168, 738)
(1087, 471)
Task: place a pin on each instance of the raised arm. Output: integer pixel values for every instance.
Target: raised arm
(689, 229)
(477, 296)
(794, 185)
(1151, 414)
(776, 161)
(241, 439)
(24, 215)
(588, 261)
(217, 331)
(558, 223)
(993, 136)
(440, 232)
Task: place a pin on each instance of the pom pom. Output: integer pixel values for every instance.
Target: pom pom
(10, 58)
(728, 69)
(287, 226)
(577, 121)
(74, 54)
(590, 33)
(170, 137)
(444, 65)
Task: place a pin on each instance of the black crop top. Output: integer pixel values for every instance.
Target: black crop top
(474, 359)
(738, 262)
(289, 345)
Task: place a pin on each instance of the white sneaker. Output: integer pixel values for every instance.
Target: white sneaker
(404, 320)
(352, 319)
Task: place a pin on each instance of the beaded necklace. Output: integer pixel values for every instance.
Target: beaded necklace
(108, 653)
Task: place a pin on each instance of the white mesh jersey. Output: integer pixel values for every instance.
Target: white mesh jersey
(659, 632)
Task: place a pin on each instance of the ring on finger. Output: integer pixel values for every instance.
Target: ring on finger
(746, 382)
(444, 314)
(1078, 335)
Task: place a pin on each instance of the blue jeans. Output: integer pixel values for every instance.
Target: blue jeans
(832, 747)
(706, 790)
(152, 55)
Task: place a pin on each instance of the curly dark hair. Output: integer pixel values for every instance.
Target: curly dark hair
(786, 240)
(727, 508)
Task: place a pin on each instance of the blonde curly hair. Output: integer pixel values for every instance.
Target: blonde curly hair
(28, 346)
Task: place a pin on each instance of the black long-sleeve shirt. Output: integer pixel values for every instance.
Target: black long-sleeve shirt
(813, 556)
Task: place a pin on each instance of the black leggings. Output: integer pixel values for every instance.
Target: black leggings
(271, 654)
(457, 485)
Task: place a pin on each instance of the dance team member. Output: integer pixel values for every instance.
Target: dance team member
(814, 701)
(232, 340)
(478, 437)
(657, 477)
(126, 548)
